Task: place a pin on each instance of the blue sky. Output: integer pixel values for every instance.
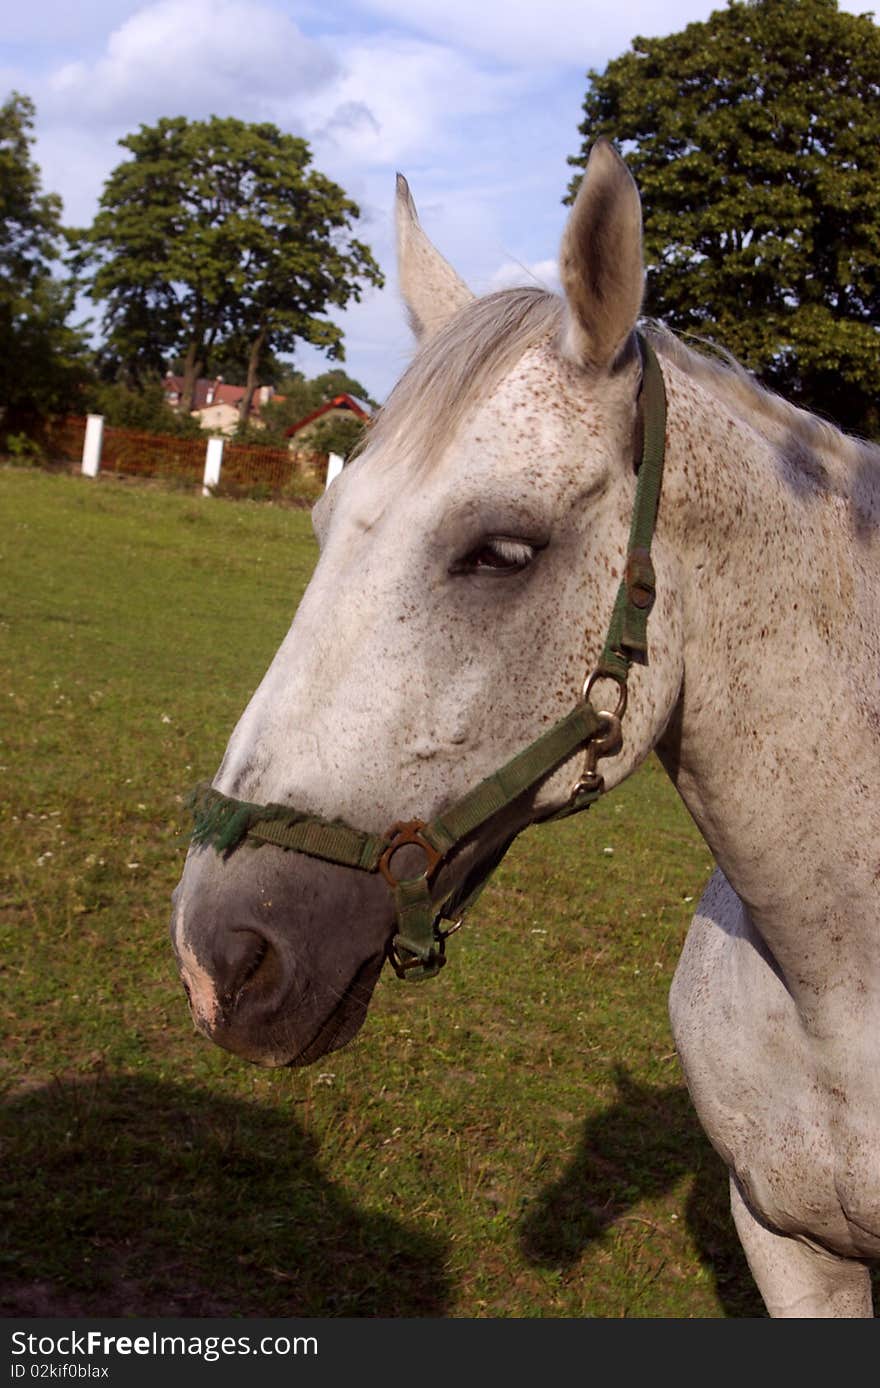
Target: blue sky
(476, 101)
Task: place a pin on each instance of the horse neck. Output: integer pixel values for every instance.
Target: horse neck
(774, 745)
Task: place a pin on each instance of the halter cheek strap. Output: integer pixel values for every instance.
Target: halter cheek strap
(418, 947)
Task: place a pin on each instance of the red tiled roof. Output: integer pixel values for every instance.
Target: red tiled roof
(222, 393)
(339, 402)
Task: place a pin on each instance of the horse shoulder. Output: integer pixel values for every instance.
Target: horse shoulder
(750, 1070)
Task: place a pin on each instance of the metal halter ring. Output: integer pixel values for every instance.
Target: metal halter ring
(402, 833)
(605, 742)
(619, 680)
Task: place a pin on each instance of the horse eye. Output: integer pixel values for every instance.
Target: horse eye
(497, 556)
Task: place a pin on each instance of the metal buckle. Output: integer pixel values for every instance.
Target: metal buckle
(405, 961)
(402, 966)
(403, 833)
(605, 742)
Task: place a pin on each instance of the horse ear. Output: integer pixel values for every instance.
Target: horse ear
(431, 289)
(601, 265)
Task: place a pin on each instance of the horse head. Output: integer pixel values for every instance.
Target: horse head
(470, 558)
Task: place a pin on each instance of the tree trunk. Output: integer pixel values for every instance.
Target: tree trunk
(254, 359)
(192, 370)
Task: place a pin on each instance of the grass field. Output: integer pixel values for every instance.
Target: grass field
(512, 1139)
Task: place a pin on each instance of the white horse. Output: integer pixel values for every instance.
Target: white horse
(470, 558)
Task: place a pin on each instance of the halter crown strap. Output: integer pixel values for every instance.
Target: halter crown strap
(627, 638)
(419, 944)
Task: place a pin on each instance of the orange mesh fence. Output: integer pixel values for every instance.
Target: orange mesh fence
(152, 455)
(247, 466)
(64, 439)
(251, 469)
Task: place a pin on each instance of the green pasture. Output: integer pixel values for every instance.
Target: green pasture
(511, 1139)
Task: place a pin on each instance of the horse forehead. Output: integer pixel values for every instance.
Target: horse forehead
(543, 419)
(537, 411)
(541, 397)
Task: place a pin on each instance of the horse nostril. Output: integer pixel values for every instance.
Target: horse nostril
(239, 958)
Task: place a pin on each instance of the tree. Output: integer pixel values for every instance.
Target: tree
(218, 233)
(335, 435)
(42, 358)
(298, 397)
(755, 140)
(145, 408)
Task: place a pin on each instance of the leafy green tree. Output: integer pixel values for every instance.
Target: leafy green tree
(144, 407)
(338, 382)
(42, 358)
(228, 359)
(755, 141)
(218, 235)
(299, 396)
(335, 435)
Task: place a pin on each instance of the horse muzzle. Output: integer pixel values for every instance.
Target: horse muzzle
(278, 954)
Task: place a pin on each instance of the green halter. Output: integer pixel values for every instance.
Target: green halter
(418, 947)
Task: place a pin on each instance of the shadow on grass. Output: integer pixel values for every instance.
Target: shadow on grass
(125, 1196)
(641, 1147)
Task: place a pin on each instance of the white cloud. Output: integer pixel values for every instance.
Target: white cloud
(75, 163)
(522, 32)
(55, 22)
(189, 57)
(378, 342)
(561, 32)
(397, 99)
(171, 57)
(544, 274)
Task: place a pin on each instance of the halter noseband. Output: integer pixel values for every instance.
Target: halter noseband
(418, 946)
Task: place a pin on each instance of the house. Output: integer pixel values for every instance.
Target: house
(215, 404)
(340, 407)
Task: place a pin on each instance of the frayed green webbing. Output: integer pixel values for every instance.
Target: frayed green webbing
(220, 821)
(224, 823)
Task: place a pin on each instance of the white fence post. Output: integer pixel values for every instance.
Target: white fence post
(91, 455)
(213, 464)
(334, 467)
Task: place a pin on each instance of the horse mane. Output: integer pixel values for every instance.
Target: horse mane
(462, 363)
(458, 366)
(774, 416)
